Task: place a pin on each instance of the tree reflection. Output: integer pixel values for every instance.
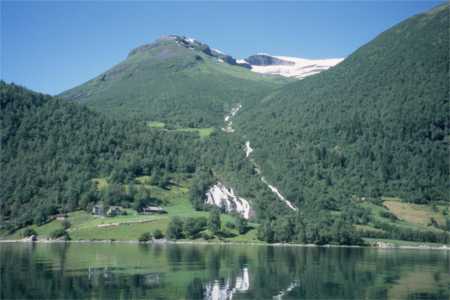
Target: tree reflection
(219, 272)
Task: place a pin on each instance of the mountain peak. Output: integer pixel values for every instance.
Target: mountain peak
(188, 43)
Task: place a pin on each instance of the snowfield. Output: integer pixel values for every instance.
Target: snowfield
(300, 69)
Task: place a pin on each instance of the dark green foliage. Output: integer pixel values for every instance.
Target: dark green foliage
(357, 215)
(433, 223)
(309, 227)
(265, 232)
(157, 234)
(230, 225)
(51, 150)
(241, 224)
(206, 236)
(145, 237)
(410, 234)
(175, 229)
(29, 232)
(59, 233)
(214, 223)
(66, 224)
(197, 192)
(193, 226)
(142, 199)
(388, 215)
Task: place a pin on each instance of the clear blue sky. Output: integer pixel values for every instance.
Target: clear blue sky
(53, 46)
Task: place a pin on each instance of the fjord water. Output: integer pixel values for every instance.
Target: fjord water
(184, 271)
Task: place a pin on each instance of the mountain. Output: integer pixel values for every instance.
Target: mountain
(374, 125)
(360, 149)
(288, 66)
(176, 80)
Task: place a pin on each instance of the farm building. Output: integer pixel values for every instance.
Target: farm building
(153, 210)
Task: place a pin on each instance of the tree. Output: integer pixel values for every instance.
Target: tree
(214, 223)
(265, 232)
(141, 199)
(41, 217)
(190, 227)
(59, 233)
(241, 224)
(66, 224)
(29, 232)
(157, 234)
(145, 237)
(175, 229)
(193, 226)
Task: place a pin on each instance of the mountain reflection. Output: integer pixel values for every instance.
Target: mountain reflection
(129, 271)
(225, 289)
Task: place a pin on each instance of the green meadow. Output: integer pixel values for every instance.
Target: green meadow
(202, 132)
(129, 227)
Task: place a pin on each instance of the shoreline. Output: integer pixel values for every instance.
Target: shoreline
(376, 245)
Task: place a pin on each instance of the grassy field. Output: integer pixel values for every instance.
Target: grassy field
(156, 124)
(202, 132)
(85, 226)
(409, 215)
(415, 213)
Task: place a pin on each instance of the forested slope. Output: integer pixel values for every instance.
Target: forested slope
(52, 149)
(374, 125)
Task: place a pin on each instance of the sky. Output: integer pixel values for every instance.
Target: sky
(53, 46)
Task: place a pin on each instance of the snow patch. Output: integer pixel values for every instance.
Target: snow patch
(223, 197)
(300, 69)
(218, 51)
(190, 40)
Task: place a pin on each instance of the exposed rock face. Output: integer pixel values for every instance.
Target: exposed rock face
(243, 63)
(225, 198)
(189, 43)
(266, 60)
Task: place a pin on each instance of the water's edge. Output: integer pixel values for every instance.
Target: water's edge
(374, 246)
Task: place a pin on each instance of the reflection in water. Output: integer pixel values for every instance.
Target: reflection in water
(292, 286)
(128, 271)
(220, 290)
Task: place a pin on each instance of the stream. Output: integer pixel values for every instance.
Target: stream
(248, 151)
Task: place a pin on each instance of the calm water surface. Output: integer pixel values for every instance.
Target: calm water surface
(132, 271)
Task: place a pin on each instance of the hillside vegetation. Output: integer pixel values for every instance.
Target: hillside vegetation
(52, 149)
(374, 125)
